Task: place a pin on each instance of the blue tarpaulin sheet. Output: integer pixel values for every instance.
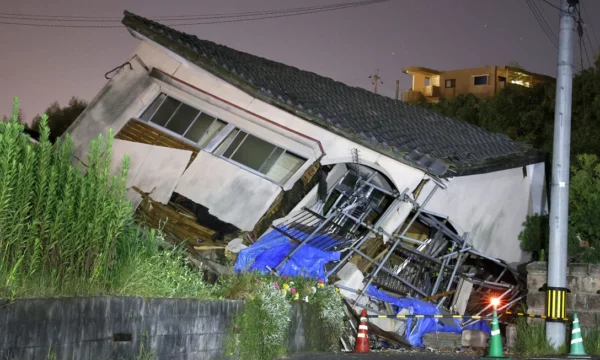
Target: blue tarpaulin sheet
(309, 261)
(423, 326)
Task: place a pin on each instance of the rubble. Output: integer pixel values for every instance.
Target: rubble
(386, 271)
(382, 249)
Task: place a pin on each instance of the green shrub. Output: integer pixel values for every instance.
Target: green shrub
(534, 237)
(64, 231)
(584, 227)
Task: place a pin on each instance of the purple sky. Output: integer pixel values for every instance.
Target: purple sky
(41, 65)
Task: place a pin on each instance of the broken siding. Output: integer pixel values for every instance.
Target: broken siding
(232, 194)
(287, 200)
(153, 169)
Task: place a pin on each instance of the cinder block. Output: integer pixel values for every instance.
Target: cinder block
(535, 282)
(537, 267)
(437, 340)
(474, 338)
(589, 284)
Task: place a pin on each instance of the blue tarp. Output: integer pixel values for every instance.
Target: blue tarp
(423, 326)
(273, 247)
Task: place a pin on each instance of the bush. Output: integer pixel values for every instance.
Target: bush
(64, 231)
(584, 226)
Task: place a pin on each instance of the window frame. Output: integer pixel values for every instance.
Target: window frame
(263, 175)
(214, 143)
(173, 133)
(487, 79)
(452, 83)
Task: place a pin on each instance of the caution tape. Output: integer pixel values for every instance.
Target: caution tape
(418, 316)
(463, 317)
(533, 316)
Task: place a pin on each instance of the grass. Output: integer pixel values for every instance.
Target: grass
(531, 340)
(65, 231)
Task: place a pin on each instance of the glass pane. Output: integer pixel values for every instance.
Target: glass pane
(152, 108)
(223, 146)
(164, 113)
(199, 128)
(235, 144)
(480, 80)
(212, 131)
(182, 119)
(253, 152)
(285, 167)
(271, 160)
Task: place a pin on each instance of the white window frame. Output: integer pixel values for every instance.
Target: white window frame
(212, 145)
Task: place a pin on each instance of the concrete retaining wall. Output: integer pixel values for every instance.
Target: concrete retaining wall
(118, 328)
(583, 282)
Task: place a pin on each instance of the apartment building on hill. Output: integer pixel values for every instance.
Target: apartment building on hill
(432, 85)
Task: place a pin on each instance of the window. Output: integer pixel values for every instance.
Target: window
(427, 81)
(182, 119)
(259, 155)
(451, 83)
(480, 80)
(234, 144)
(501, 79)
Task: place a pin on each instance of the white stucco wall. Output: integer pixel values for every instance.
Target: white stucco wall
(113, 106)
(231, 193)
(153, 169)
(491, 208)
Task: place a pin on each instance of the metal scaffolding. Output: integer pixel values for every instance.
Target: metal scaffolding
(353, 216)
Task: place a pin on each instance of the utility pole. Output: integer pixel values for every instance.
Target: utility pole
(397, 88)
(559, 203)
(376, 80)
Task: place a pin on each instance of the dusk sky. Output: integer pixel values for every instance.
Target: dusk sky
(43, 64)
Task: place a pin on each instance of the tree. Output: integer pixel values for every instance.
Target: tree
(527, 114)
(60, 118)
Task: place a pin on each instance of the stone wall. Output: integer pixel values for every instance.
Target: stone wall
(583, 282)
(119, 327)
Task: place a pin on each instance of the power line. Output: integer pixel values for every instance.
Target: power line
(238, 17)
(551, 4)
(542, 22)
(590, 25)
(581, 31)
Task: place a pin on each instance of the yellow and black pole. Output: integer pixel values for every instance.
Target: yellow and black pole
(556, 306)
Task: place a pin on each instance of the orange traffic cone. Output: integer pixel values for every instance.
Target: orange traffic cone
(362, 338)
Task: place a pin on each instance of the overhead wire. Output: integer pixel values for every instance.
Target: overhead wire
(549, 28)
(581, 30)
(74, 18)
(590, 25)
(223, 17)
(541, 20)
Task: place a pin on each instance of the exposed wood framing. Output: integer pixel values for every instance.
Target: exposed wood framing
(137, 131)
(179, 224)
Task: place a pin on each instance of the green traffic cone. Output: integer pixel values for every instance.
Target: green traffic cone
(577, 349)
(496, 351)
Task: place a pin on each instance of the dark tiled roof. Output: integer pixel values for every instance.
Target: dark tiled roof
(408, 133)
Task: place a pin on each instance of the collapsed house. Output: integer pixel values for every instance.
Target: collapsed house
(390, 199)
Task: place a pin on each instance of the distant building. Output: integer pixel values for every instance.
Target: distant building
(433, 85)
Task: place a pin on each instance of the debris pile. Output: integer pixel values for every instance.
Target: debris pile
(352, 237)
